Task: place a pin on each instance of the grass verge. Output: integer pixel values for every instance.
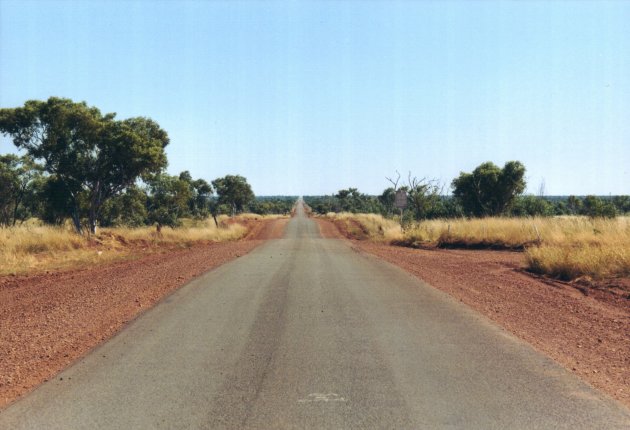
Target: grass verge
(562, 247)
(35, 248)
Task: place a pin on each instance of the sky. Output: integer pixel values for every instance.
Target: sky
(306, 98)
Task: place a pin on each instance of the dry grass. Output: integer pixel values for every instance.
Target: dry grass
(498, 233)
(34, 248)
(562, 247)
(581, 247)
(367, 226)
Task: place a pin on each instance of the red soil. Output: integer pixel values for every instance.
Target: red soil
(50, 320)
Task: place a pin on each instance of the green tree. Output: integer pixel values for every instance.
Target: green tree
(489, 190)
(622, 203)
(596, 207)
(18, 176)
(128, 208)
(532, 206)
(574, 205)
(55, 202)
(168, 200)
(387, 199)
(200, 194)
(233, 190)
(94, 156)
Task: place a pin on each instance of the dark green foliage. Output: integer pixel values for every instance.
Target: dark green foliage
(439, 207)
(596, 207)
(622, 204)
(95, 156)
(532, 206)
(321, 204)
(127, 209)
(18, 179)
(574, 205)
(351, 200)
(55, 201)
(387, 199)
(233, 190)
(200, 195)
(489, 190)
(267, 205)
(168, 200)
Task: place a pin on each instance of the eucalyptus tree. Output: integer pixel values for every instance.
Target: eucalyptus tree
(489, 190)
(235, 191)
(18, 176)
(93, 156)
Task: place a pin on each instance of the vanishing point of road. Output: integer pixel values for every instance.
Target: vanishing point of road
(306, 333)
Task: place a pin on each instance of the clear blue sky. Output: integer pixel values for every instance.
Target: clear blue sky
(310, 97)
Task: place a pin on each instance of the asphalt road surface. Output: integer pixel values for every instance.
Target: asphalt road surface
(304, 332)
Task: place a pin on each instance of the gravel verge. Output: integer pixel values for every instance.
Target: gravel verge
(50, 320)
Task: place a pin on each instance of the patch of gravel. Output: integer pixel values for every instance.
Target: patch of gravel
(50, 320)
(589, 334)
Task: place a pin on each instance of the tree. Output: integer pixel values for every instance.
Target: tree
(128, 208)
(574, 205)
(201, 192)
(423, 197)
(595, 207)
(387, 199)
(489, 190)
(94, 156)
(168, 200)
(532, 206)
(234, 191)
(55, 201)
(622, 203)
(17, 176)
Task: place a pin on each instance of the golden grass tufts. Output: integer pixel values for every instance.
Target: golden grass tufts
(587, 260)
(189, 233)
(578, 247)
(33, 248)
(562, 247)
(367, 226)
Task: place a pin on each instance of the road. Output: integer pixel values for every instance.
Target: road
(305, 332)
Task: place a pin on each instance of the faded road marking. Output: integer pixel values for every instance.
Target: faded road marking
(321, 397)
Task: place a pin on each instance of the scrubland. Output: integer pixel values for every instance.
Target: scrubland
(562, 247)
(32, 248)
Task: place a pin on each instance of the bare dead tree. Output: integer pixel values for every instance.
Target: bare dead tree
(394, 183)
(423, 195)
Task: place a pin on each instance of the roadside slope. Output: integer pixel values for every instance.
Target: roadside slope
(55, 318)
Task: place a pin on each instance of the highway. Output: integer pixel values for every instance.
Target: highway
(306, 333)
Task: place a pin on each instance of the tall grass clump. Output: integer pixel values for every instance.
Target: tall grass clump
(25, 247)
(366, 226)
(584, 247)
(189, 233)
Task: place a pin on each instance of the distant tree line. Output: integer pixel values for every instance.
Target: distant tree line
(488, 190)
(81, 165)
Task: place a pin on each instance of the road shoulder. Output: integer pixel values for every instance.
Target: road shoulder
(56, 318)
(587, 334)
